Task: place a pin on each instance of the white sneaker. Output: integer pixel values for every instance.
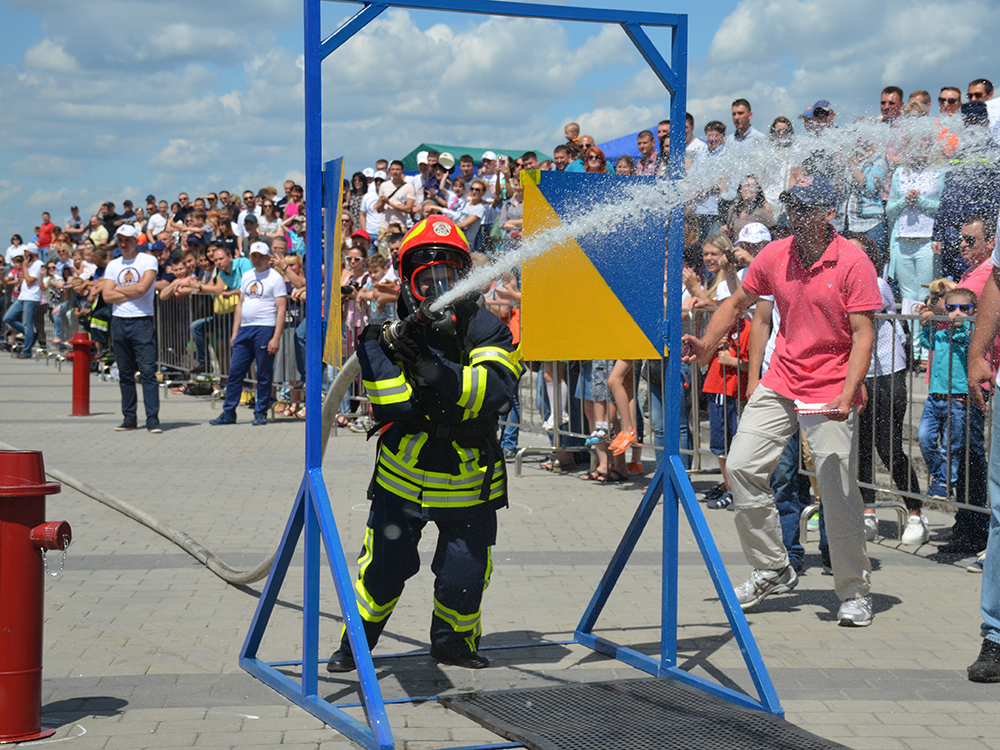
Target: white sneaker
(856, 613)
(764, 583)
(916, 531)
(871, 527)
(547, 424)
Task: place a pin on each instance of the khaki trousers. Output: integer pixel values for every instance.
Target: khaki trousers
(767, 424)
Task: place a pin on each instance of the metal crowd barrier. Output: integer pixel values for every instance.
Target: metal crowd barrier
(897, 409)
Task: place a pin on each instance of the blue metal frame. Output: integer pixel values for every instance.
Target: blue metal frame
(311, 516)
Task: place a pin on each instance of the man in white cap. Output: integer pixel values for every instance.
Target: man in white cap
(128, 285)
(257, 326)
(751, 240)
(21, 315)
(420, 179)
(369, 174)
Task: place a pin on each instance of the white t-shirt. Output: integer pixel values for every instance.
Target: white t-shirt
(32, 293)
(13, 250)
(695, 150)
(373, 219)
(469, 210)
(126, 273)
(260, 291)
(156, 224)
(402, 195)
(888, 352)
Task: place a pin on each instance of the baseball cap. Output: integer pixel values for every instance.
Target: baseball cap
(422, 157)
(74, 208)
(822, 104)
(31, 247)
(446, 159)
(251, 217)
(368, 172)
(753, 233)
(362, 233)
(125, 230)
(150, 198)
(381, 175)
(812, 191)
(489, 155)
(260, 248)
(127, 203)
(157, 246)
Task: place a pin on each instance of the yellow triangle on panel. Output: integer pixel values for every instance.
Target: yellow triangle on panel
(568, 311)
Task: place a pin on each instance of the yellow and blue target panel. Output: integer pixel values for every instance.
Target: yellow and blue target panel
(596, 295)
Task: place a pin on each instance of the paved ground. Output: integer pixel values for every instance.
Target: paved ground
(142, 642)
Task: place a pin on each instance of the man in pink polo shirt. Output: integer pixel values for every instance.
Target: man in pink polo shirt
(827, 293)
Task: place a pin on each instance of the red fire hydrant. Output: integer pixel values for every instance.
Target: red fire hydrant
(81, 356)
(24, 538)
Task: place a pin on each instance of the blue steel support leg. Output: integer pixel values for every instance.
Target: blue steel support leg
(625, 547)
(268, 597)
(310, 596)
(677, 475)
(371, 693)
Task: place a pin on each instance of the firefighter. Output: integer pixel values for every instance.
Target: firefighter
(438, 383)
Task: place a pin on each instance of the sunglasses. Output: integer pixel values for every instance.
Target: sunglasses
(948, 100)
(975, 96)
(475, 190)
(965, 307)
(970, 241)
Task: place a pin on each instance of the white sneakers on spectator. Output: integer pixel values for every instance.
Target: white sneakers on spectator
(547, 424)
(763, 583)
(916, 531)
(871, 527)
(856, 613)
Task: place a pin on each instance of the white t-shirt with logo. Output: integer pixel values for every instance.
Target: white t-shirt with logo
(32, 293)
(156, 224)
(126, 273)
(261, 290)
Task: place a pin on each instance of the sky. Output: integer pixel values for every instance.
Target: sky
(116, 99)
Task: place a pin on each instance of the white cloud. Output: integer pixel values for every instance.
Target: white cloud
(49, 56)
(47, 200)
(46, 165)
(8, 190)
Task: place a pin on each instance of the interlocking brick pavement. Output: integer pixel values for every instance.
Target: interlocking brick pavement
(142, 642)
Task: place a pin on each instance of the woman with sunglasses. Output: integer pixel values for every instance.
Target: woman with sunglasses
(15, 242)
(594, 161)
(269, 224)
(359, 186)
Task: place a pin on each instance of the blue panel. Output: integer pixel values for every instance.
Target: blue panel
(625, 256)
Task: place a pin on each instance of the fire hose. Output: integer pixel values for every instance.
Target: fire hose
(192, 546)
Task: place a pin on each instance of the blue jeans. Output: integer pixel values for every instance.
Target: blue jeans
(21, 317)
(250, 347)
(989, 601)
(941, 443)
(57, 318)
(656, 413)
(198, 334)
(509, 434)
(791, 496)
(134, 344)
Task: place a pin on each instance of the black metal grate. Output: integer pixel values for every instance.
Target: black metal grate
(651, 714)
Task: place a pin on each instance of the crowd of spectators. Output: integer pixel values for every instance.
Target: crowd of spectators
(907, 194)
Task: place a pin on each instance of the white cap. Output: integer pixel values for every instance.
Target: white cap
(380, 175)
(753, 233)
(125, 230)
(422, 157)
(260, 248)
(489, 155)
(368, 172)
(446, 160)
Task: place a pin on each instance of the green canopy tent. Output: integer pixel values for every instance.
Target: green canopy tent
(410, 160)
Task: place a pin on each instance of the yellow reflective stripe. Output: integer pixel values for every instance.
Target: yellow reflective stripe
(472, 383)
(458, 622)
(501, 356)
(410, 446)
(489, 567)
(391, 391)
(394, 485)
(470, 475)
(370, 610)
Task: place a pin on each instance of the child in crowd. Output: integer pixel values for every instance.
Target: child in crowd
(379, 292)
(942, 433)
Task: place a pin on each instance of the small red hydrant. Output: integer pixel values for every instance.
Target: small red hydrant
(81, 357)
(24, 539)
